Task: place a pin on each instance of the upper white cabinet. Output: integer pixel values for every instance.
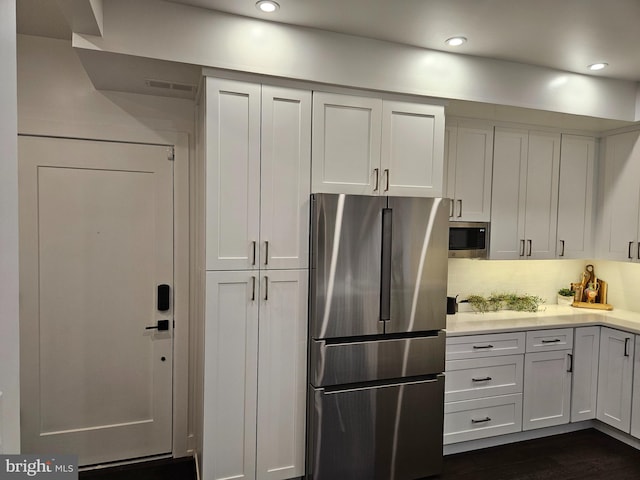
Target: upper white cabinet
(368, 146)
(615, 376)
(524, 205)
(576, 197)
(469, 154)
(258, 176)
(619, 238)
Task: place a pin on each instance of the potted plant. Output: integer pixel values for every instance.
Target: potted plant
(565, 296)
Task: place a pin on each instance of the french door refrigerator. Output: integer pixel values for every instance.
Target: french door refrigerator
(377, 307)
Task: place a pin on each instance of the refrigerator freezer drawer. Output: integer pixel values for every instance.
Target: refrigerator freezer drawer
(367, 361)
(389, 432)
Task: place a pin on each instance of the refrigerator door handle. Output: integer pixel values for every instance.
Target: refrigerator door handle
(385, 271)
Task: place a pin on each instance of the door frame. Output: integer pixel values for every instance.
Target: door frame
(183, 443)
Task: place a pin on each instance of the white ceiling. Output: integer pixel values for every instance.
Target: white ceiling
(563, 34)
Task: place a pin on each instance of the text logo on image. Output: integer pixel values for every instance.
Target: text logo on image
(51, 467)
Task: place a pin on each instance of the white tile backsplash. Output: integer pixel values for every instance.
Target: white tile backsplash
(543, 278)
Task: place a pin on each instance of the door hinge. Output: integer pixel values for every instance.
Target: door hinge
(171, 154)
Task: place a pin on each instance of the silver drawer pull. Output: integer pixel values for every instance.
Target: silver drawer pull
(482, 420)
(480, 347)
(483, 379)
(555, 340)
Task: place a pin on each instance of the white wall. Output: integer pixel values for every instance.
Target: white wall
(9, 339)
(56, 97)
(179, 33)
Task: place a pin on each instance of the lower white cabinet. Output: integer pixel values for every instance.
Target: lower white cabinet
(584, 391)
(482, 417)
(547, 389)
(635, 406)
(255, 374)
(615, 376)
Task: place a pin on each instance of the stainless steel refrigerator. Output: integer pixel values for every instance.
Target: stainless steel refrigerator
(376, 350)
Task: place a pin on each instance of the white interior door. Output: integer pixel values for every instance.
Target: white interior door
(96, 233)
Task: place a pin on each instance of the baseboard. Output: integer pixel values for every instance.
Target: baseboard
(617, 434)
(517, 437)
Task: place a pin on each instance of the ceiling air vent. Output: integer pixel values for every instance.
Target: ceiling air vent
(180, 87)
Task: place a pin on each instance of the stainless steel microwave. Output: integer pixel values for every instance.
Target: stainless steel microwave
(468, 239)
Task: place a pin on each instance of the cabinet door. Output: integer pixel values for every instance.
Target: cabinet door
(233, 174)
(412, 156)
(542, 173)
(230, 375)
(575, 197)
(472, 173)
(547, 389)
(635, 408)
(615, 374)
(283, 374)
(619, 228)
(285, 178)
(508, 194)
(346, 144)
(586, 349)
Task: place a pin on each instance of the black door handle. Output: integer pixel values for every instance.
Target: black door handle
(163, 297)
(162, 325)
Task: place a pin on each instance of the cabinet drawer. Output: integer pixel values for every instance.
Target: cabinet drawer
(545, 340)
(479, 346)
(483, 377)
(481, 418)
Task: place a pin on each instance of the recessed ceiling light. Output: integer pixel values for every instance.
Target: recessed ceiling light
(455, 41)
(597, 66)
(267, 6)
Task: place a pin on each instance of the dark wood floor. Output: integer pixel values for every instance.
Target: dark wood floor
(583, 455)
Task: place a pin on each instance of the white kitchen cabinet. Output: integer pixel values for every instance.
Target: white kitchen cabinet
(524, 205)
(469, 170)
(635, 406)
(584, 392)
(368, 146)
(255, 374)
(230, 376)
(615, 376)
(282, 379)
(619, 237)
(258, 176)
(547, 389)
(576, 197)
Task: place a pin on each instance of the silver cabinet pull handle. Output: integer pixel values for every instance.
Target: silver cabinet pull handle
(522, 247)
(562, 251)
(480, 347)
(529, 243)
(386, 171)
(253, 288)
(253, 246)
(266, 252)
(376, 171)
(451, 209)
(459, 208)
(266, 288)
(629, 252)
(482, 420)
(483, 379)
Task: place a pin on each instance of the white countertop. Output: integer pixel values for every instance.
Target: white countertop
(549, 316)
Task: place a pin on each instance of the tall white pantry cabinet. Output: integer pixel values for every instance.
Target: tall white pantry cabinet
(256, 141)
